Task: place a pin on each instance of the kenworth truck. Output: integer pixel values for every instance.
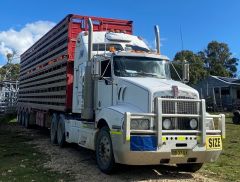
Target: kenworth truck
(114, 95)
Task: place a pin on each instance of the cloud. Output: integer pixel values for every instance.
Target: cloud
(21, 40)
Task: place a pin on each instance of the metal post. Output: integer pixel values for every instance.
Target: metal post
(127, 126)
(203, 124)
(221, 125)
(158, 106)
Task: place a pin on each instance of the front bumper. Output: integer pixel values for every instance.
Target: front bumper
(192, 141)
(162, 155)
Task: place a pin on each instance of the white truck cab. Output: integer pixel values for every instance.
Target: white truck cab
(132, 112)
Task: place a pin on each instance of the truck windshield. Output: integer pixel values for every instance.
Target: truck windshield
(140, 67)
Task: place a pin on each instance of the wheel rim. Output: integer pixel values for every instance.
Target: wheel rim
(104, 150)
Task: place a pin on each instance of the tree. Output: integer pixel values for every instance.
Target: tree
(10, 71)
(218, 60)
(197, 71)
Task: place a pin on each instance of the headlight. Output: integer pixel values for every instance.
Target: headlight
(140, 124)
(167, 124)
(193, 124)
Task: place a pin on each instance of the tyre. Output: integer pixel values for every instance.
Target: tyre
(20, 118)
(26, 120)
(193, 167)
(235, 119)
(53, 129)
(23, 118)
(61, 140)
(104, 151)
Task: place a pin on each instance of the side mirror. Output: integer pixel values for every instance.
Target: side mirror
(96, 69)
(185, 75)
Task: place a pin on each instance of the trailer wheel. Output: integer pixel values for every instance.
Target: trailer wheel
(61, 140)
(23, 118)
(53, 129)
(26, 120)
(194, 167)
(104, 151)
(20, 119)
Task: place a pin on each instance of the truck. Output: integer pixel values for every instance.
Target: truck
(93, 83)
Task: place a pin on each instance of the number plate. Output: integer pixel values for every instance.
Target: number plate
(179, 153)
(214, 143)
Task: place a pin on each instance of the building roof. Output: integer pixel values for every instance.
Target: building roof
(232, 81)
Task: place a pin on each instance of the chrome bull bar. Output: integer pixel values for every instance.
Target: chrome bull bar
(158, 119)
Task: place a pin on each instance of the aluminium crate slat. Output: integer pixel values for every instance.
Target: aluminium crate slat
(46, 68)
(41, 62)
(44, 81)
(43, 106)
(54, 57)
(44, 47)
(44, 38)
(43, 69)
(57, 41)
(55, 93)
(58, 84)
(58, 71)
(46, 100)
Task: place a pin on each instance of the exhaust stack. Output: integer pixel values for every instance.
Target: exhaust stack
(87, 111)
(157, 35)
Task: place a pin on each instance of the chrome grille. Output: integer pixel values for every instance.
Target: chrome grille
(180, 107)
(175, 107)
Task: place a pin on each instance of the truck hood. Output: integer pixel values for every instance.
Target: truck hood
(162, 87)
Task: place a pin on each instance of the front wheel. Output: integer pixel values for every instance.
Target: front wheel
(194, 167)
(104, 151)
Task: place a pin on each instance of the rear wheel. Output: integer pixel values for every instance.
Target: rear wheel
(20, 118)
(194, 167)
(61, 140)
(23, 118)
(26, 119)
(53, 129)
(104, 151)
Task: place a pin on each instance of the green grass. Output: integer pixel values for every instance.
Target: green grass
(227, 167)
(10, 118)
(20, 161)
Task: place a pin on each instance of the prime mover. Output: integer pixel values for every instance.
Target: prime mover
(93, 83)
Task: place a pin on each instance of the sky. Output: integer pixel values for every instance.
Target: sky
(23, 22)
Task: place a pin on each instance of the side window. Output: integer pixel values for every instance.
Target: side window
(106, 68)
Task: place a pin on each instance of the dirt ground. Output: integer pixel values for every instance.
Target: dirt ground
(81, 164)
